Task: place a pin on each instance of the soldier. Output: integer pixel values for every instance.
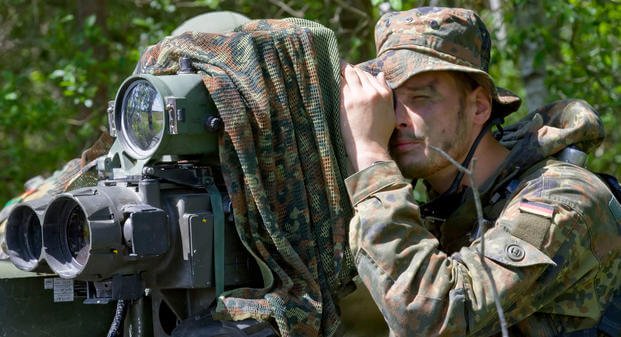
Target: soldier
(552, 240)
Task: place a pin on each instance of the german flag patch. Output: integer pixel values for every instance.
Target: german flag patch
(537, 208)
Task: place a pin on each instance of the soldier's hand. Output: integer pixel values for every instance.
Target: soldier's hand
(367, 116)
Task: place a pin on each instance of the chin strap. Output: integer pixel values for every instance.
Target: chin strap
(444, 204)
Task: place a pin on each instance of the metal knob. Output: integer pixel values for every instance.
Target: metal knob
(214, 124)
(185, 65)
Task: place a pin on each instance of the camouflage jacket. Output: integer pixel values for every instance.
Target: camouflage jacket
(553, 244)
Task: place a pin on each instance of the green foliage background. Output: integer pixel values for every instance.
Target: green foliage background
(61, 61)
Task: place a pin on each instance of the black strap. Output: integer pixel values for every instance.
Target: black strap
(611, 320)
(443, 205)
(612, 183)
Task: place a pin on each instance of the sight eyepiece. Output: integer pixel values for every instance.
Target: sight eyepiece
(24, 236)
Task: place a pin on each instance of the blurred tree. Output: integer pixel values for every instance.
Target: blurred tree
(62, 60)
(532, 52)
(577, 53)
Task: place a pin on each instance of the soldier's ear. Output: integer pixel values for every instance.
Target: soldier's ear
(482, 100)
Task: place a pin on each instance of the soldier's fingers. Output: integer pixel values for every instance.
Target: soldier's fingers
(375, 81)
(351, 77)
(375, 84)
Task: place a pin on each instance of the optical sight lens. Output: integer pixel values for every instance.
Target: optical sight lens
(34, 242)
(78, 235)
(143, 116)
(23, 237)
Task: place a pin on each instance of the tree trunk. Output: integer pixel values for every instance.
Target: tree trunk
(532, 58)
(499, 26)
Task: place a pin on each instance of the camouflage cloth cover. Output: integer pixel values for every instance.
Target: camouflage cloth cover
(276, 86)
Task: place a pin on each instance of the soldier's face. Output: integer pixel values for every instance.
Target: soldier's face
(432, 108)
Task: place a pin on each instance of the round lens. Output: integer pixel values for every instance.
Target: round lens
(33, 236)
(23, 237)
(143, 116)
(78, 235)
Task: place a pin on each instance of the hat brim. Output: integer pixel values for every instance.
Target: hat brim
(400, 64)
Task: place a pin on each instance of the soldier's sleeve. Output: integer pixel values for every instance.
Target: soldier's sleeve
(536, 250)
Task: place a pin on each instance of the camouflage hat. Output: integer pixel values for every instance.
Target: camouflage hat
(432, 39)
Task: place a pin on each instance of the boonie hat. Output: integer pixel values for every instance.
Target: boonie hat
(432, 39)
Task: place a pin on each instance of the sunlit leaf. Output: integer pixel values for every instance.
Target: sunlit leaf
(10, 96)
(90, 20)
(396, 5)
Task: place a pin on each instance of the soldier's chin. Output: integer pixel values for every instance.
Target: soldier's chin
(412, 169)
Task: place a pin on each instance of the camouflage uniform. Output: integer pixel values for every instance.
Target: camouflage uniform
(553, 242)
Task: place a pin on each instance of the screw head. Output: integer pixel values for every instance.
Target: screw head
(214, 124)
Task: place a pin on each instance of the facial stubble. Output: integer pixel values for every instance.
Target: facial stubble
(456, 146)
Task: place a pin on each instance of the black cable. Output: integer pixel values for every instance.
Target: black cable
(456, 182)
(116, 328)
(444, 204)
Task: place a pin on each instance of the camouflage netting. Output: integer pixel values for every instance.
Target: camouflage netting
(276, 86)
